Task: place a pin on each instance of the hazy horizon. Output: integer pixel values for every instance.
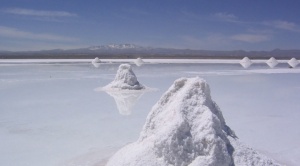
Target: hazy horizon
(85, 47)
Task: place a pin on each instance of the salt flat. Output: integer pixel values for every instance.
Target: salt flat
(50, 114)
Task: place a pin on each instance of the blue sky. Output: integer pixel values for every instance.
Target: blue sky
(191, 24)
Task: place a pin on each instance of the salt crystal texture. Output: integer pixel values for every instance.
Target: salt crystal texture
(186, 128)
(246, 62)
(293, 62)
(272, 62)
(125, 80)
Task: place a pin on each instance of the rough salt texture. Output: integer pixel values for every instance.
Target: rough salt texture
(125, 80)
(246, 156)
(186, 128)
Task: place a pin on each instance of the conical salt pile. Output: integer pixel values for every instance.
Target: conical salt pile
(272, 62)
(246, 62)
(186, 128)
(125, 80)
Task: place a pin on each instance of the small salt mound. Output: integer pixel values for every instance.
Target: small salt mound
(139, 62)
(96, 60)
(272, 62)
(293, 62)
(186, 128)
(125, 80)
(246, 62)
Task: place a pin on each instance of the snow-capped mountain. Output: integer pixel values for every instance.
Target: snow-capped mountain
(135, 51)
(115, 46)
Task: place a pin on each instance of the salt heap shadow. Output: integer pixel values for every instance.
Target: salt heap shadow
(125, 89)
(186, 128)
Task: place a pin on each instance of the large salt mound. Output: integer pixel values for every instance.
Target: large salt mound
(125, 80)
(186, 128)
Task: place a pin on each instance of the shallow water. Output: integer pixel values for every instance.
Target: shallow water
(51, 114)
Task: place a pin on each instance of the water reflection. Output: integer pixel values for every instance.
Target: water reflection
(96, 65)
(246, 62)
(96, 62)
(126, 100)
(272, 62)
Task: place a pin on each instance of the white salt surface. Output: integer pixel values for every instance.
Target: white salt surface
(50, 114)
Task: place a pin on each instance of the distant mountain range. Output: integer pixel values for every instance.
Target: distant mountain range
(134, 51)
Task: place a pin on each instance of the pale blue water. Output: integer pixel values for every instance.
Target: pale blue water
(50, 114)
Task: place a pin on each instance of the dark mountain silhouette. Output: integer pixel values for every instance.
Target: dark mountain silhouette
(134, 51)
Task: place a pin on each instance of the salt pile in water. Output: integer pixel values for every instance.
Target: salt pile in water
(125, 89)
(293, 62)
(186, 128)
(96, 62)
(125, 80)
(246, 62)
(139, 62)
(272, 62)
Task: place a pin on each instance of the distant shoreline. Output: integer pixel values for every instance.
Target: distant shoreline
(147, 61)
(279, 57)
(133, 52)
